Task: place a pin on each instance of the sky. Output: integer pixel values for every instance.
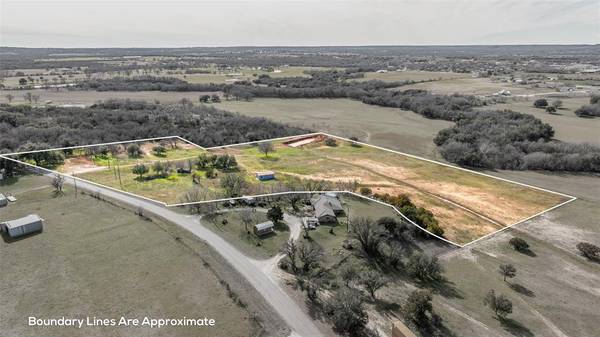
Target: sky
(138, 23)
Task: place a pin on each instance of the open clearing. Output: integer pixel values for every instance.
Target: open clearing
(555, 292)
(567, 126)
(97, 259)
(474, 86)
(412, 75)
(391, 128)
(467, 205)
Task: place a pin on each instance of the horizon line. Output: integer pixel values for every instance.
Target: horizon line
(320, 46)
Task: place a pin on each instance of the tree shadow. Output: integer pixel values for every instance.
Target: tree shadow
(444, 288)
(7, 181)
(521, 290)
(384, 305)
(434, 327)
(57, 194)
(515, 327)
(527, 252)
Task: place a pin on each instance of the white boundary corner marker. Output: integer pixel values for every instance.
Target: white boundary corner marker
(571, 198)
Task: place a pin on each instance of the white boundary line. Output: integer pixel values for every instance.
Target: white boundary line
(572, 198)
(101, 144)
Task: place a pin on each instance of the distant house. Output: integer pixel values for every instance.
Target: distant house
(3, 200)
(265, 175)
(264, 228)
(23, 226)
(327, 207)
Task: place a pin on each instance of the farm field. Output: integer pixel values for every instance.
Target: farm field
(392, 128)
(412, 75)
(474, 86)
(567, 126)
(466, 205)
(94, 258)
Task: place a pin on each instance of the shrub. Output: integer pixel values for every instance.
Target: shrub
(330, 142)
(519, 244)
(540, 103)
(134, 151)
(365, 191)
(589, 250)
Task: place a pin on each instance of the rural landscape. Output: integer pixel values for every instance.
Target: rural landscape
(329, 184)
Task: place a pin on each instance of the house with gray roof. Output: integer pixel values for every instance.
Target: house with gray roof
(327, 207)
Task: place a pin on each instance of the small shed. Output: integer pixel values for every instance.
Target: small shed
(3, 200)
(264, 228)
(23, 226)
(265, 175)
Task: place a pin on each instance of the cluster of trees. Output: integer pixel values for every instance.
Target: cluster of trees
(26, 128)
(590, 110)
(161, 169)
(222, 162)
(418, 215)
(145, 83)
(515, 141)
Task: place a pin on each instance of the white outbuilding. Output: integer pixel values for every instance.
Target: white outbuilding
(3, 200)
(23, 226)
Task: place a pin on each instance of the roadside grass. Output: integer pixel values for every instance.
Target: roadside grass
(95, 258)
(233, 230)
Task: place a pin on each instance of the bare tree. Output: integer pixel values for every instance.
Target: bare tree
(310, 254)
(247, 217)
(291, 250)
(266, 147)
(57, 183)
(372, 280)
(9, 98)
(507, 271)
(367, 233)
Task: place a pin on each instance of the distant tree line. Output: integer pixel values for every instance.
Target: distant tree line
(485, 139)
(145, 83)
(25, 128)
(514, 141)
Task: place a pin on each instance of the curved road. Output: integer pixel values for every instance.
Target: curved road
(300, 323)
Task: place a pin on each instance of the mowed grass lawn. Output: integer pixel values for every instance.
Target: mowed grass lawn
(467, 205)
(97, 259)
(234, 231)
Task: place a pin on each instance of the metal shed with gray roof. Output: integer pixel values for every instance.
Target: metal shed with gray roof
(23, 226)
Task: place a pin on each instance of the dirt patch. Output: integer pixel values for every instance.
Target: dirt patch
(82, 164)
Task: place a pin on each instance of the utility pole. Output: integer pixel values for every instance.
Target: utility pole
(119, 174)
(75, 184)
